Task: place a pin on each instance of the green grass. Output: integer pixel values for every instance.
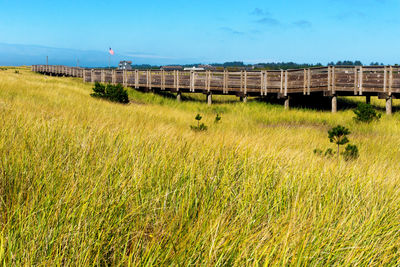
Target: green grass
(87, 182)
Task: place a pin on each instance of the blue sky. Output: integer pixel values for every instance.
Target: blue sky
(210, 31)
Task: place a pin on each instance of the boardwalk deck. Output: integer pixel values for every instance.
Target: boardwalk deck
(383, 81)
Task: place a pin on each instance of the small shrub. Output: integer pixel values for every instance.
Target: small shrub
(115, 93)
(329, 153)
(99, 90)
(16, 71)
(217, 118)
(199, 127)
(351, 152)
(317, 151)
(365, 113)
(338, 136)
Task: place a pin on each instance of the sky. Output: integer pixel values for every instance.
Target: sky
(168, 32)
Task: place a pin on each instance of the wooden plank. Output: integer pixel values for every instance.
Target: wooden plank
(361, 81)
(266, 83)
(304, 81)
(281, 90)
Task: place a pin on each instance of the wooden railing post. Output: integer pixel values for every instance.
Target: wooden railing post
(333, 80)
(124, 78)
(355, 80)
(384, 79)
(390, 79)
(92, 75)
(245, 82)
(361, 81)
(177, 80)
(150, 80)
(329, 78)
(136, 79)
(286, 82)
(191, 81)
(281, 89)
(103, 76)
(225, 82)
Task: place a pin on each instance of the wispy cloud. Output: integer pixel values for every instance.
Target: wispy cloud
(302, 24)
(231, 31)
(264, 17)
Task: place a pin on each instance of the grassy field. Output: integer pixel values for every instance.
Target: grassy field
(84, 181)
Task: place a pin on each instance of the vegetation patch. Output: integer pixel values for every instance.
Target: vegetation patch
(114, 93)
(366, 113)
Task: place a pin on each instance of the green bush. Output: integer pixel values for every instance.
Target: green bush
(365, 113)
(199, 127)
(351, 152)
(115, 93)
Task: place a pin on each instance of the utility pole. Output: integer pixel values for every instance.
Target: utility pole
(77, 62)
(47, 60)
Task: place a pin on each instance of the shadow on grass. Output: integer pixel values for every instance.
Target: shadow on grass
(320, 103)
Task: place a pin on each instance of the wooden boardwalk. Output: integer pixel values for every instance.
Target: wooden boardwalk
(332, 81)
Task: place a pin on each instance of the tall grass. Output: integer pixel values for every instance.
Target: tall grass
(84, 181)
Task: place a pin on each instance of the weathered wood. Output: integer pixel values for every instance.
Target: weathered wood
(360, 85)
(389, 105)
(334, 104)
(390, 79)
(136, 79)
(209, 99)
(384, 79)
(287, 103)
(286, 83)
(331, 81)
(355, 80)
(245, 82)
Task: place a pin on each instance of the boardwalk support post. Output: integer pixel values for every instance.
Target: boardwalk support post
(368, 99)
(286, 103)
(389, 105)
(179, 96)
(209, 98)
(245, 99)
(334, 103)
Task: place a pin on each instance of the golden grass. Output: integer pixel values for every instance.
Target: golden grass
(85, 181)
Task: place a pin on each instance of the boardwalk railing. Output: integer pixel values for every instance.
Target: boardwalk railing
(383, 81)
